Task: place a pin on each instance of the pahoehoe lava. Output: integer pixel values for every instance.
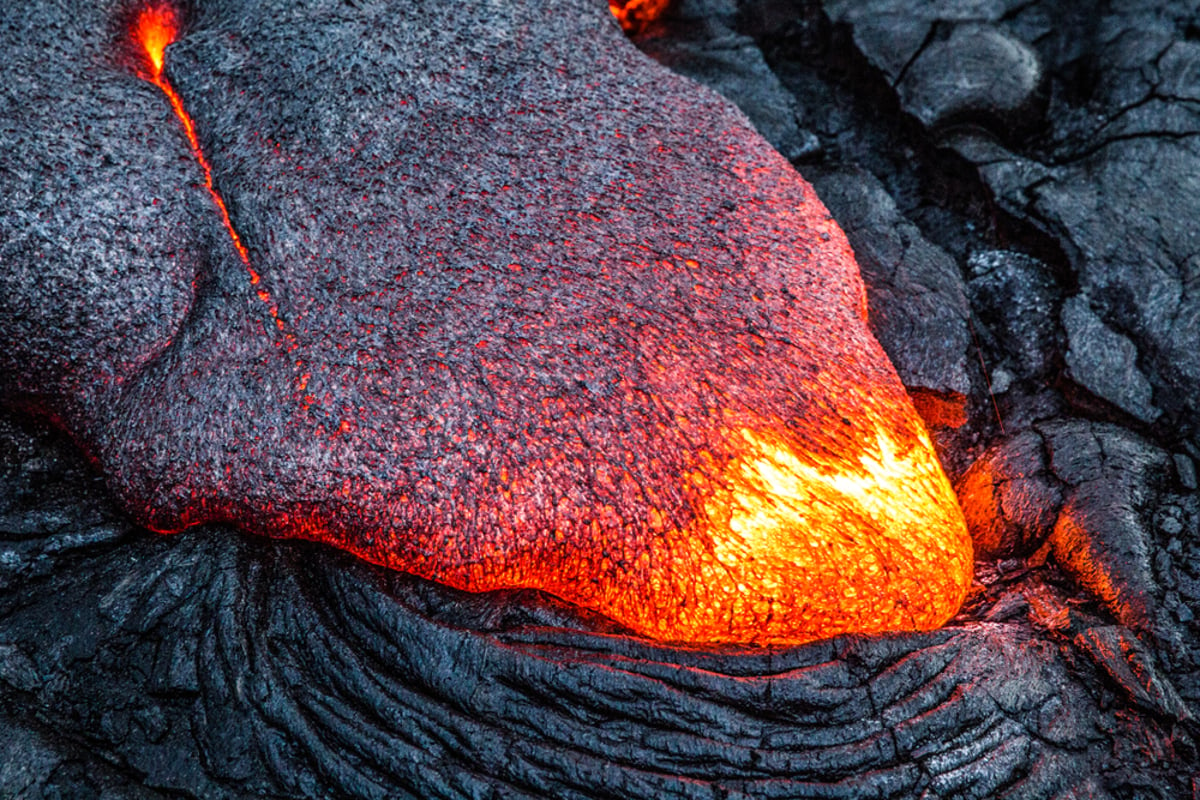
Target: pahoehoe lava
(523, 309)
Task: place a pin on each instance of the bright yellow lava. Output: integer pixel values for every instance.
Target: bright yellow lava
(787, 546)
(155, 28)
(777, 492)
(867, 542)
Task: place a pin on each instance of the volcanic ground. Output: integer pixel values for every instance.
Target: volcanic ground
(1019, 182)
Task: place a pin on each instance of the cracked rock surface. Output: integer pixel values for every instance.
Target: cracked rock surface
(1120, 121)
(1025, 228)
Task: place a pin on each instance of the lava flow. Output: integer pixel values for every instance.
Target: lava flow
(753, 472)
(637, 14)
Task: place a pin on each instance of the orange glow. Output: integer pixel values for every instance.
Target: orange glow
(155, 27)
(634, 15)
(788, 543)
(875, 537)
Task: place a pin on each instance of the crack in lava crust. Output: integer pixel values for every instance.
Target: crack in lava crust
(157, 26)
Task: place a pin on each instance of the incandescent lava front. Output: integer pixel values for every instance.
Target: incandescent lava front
(526, 311)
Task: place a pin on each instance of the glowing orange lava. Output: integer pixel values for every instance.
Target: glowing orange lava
(789, 547)
(803, 505)
(874, 534)
(155, 27)
(636, 14)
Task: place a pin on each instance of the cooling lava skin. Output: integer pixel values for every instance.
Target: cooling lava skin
(519, 309)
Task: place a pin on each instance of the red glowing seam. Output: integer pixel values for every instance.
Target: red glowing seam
(190, 130)
(155, 27)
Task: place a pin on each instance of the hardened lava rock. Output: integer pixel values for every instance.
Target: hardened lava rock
(915, 291)
(103, 234)
(1121, 120)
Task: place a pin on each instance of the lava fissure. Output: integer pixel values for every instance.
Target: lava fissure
(155, 27)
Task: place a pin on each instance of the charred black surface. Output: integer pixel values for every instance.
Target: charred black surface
(1054, 241)
(1095, 145)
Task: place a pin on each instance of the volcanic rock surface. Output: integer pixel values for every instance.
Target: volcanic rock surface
(1118, 120)
(218, 665)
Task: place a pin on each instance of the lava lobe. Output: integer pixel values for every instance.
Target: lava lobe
(527, 310)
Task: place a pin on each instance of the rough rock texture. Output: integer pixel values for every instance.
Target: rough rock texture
(99, 268)
(1017, 299)
(1101, 534)
(1010, 497)
(699, 40)
(1105, 361)
(208, 664)
(1121, 122)
(976, 71)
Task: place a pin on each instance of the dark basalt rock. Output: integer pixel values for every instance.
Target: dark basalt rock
(915, 292)
(698, 39)
(1017, 299)
(1113, 173)
(949, 62)
(893, 33)
(1105, 361)
(1101, 534)
(1010, 498)
(1127, 661)
(976, 73)
(1112, 176)
(1135, 273)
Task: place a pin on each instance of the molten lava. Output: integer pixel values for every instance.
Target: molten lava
(695, 435)
(155, 27)
(634, 15)
(788, 546)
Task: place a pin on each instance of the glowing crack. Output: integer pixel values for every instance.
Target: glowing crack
(155, 27)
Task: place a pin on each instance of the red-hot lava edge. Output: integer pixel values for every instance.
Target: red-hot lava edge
(788, 545)
(637, 14)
